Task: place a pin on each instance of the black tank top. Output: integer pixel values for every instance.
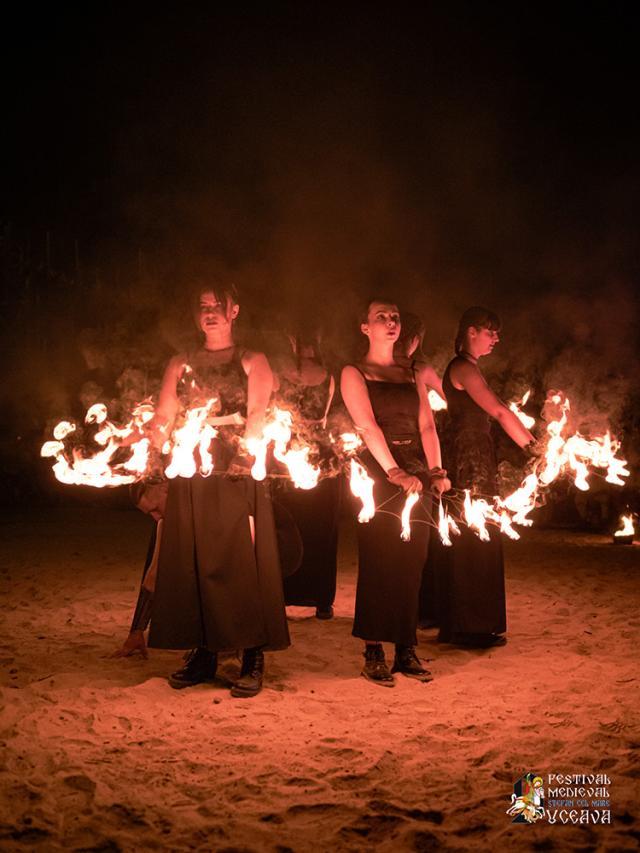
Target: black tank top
(464, 413)
(310, 401)
(204, 377)
(396, 407)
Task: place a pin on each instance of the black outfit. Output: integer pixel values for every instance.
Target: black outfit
(390, 570)
(314, 511)
(470, 573)
(214, 589)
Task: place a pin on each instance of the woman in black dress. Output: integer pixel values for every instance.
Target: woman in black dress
(389, 407)
(218, 585)
(470, 574)
(307, 388)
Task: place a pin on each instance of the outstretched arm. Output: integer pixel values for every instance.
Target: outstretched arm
(473, 382)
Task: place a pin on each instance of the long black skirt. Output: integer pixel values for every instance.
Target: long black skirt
(469, 575)
(316, 514)
(389, 569)
(214, 589)
(469, 586)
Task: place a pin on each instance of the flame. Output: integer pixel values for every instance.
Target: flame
(195, 432)
(410, 502)
(437, 403)
(63, 429)
(362, 487)
(96, 414)
(278, 430)
(351, 441)
(86, 471)
(577, 453)
(525, 420)
(139, 459)
(506, 525)
(476, 512)
(627, 528)
(446, 525)
(522, 501)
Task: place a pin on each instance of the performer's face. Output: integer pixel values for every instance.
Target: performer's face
(482, 340)
(214, 316)
(383, 322)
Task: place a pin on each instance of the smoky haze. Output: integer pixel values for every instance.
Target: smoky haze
(442, 161)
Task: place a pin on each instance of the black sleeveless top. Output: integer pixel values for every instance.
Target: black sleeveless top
(396, 407)
(205, 377)
(464, 413)
(309, 401)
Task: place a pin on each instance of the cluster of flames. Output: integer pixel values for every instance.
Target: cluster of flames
(124, 456)
(186, 452)
(563, 454)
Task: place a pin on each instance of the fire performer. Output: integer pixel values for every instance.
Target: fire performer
(408, 351)
(389, 406)
(307, 388)
(470, 574)
(218, 585)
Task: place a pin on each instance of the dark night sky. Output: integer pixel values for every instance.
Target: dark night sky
(464, 154)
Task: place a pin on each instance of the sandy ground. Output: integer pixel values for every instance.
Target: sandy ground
(101, 754)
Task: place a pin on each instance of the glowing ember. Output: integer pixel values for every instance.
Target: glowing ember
(446, 525)
(362, 487)
(437, 403)
(410, 502)
(627, 528)
(526, 420)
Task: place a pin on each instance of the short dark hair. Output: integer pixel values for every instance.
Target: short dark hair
(225, 292)
(479, 318)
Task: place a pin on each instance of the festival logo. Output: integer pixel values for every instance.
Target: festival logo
(527, 800)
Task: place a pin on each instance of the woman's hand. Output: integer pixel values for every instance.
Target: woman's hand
(134, 645)
(408, 482)
(438, 481)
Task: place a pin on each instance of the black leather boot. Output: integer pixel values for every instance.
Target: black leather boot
(406, 661)
(251, 673)
(324, 612)
(375, 666)
(201, 665)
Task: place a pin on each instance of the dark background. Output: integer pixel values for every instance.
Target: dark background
(455, 155)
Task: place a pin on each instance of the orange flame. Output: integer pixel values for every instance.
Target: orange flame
(446, 525)
(627, 528)
(361, 486)
(525, 420)
(194, 433)
(278, 430)
(405, 518)
(476, 513)
(437, 403)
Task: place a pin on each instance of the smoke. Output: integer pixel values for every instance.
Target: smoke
(316, 164)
